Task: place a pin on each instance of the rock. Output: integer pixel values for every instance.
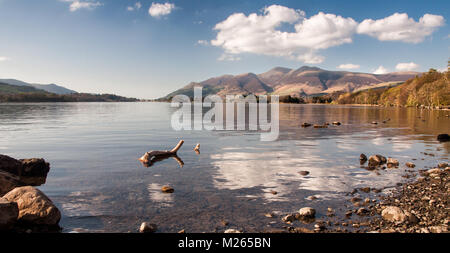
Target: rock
(29, 171)
(273, 192)
(443, 137)
(320, 126)
(306, 124)
(288, 218)
(442, 165)
(355, 199)
(391, 162)
(303, 173)
(147, 228)
(377, 160)
(362, 211)
(8, 182)
(336, 123)
(311, 198)
(362, 158)
(307, 212)
(433, 171)
(167, 189)
(10, 165)
(34, 206)
(319, 227)
(302, 230)
(232, 231)
(437, 229)
(374, 122)
(181, 231)
(365, 189)
(397, 215)
(410, 165)
(9, 211)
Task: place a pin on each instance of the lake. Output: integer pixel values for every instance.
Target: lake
(99, 185)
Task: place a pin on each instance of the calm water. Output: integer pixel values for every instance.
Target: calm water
(98, 184)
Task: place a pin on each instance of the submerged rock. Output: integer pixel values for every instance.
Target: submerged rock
(9, 212)
(34, 206)
(167, 189)
(410, 165)
(303, 173)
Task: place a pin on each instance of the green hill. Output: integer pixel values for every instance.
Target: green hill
(14, 89)
(429, 89)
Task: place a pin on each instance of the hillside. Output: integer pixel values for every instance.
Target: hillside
(53, 88)
(430, 89)
(14, 93)
(304, 81)
(13, 89)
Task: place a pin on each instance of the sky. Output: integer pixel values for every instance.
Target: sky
(147, 49)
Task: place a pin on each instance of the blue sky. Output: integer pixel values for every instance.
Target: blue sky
(119, 46)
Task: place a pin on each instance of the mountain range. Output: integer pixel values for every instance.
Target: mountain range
(304, 81)
(52, 88)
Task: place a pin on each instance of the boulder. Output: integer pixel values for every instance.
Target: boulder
(30, 171)
(8, 214)
(34, 206)
(10, 165)
(307, 212)
(8, 182)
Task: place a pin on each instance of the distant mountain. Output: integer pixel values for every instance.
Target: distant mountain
(295, 82)
(430, 89)
(52, 88)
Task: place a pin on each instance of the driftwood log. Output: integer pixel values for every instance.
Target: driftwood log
(158, 155)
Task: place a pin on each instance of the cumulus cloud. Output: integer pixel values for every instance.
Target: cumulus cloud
(381, 70)
(261, 34)
(406, 66)
(4, 58)
(399, 27)
(158, 10)
(136, 6)
(77, 5)
(348, 66)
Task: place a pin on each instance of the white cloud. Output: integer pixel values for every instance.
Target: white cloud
(203, 42)
(381, 70)
(399, 27)
(77, 5)
(260, 34)
(406, 66)
(348, 66)
(4, 58)
(157, 10)
(136, 6)
(229, 57)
